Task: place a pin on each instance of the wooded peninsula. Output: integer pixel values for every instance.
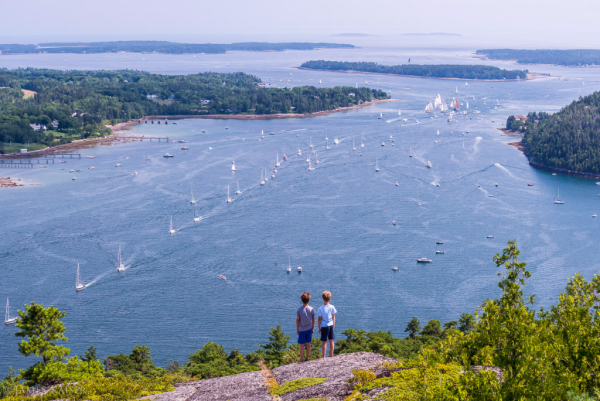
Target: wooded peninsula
(448, 71)
(566, 141)
(161, 47)
(65, 105)
(581, 57)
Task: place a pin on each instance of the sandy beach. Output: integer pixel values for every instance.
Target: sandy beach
(7, 182)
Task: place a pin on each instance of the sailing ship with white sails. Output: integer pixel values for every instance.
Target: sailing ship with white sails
(121, 266)
(78, 284)
(8, 319)
(429, 108)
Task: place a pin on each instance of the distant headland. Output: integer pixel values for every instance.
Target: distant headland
(161, 47)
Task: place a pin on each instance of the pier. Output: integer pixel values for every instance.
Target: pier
(16, 164)
(31, 155)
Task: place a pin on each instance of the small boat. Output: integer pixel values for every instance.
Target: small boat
(226, 127)
(78, 170)
(91, 157)
(222, 277)
(185, 148)
(229, 200)
(380, 116)
(78, 284)
(117, 165)
(311, 145)
(262, 180)
(310, 168)
(410, 154)
(439, 252)
(423, 260)
(284, 155)
(192, 201)
(397, 183)
(121, 266)
(395, 268)
(353, 147)
(429, 164)
(299, 151)
(299, 269)
(336, 141)
(496, 184)
(594, 215)
(165, 155)
(203, 130)
(490, 236)
(171, 229)
(91, 167)
(289, 269)
(8, 319)
(327, 144)
(439, 242)
(233, 166)
(74, 178)
(558, 201)
(394, 222)
(277, 164)
(529, 185)
(382, 143)
(238, 188)
(376, 164)
(271, 133)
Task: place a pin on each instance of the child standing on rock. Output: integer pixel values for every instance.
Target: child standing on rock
(326, 314)
(305, 325)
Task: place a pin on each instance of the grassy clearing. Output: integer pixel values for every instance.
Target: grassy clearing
(16, 147)
(27, 93)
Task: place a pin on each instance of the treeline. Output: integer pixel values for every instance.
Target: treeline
(83, 102)
(430, 71)
(568, 139)
(558, 57)
(536, 354)
(162, 47)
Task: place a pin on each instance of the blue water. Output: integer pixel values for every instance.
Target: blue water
(335, 221)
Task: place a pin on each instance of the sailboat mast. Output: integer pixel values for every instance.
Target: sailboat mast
(77, 280)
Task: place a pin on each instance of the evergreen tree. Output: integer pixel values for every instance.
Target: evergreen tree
(277, 344)
(413, 328)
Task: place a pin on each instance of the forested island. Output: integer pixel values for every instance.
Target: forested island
(581, 57)
(568, 140)
(428, 71)
(531, 353)
(161, 47)
(64, 105)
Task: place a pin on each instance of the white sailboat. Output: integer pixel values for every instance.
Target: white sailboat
(438, 132)
(316, 158)
(277, 164)
(443, 107)
(262, 180)
(8, 319)
(311, 145)
(399, 112)
(410, 154)
(196, 217)
(78, 284)
(238, 188)
(429, 108)
(336, 141)
(171, 229)
(362, 142)
(310, 167)
(192, 201)
(558, 201)
(467, 105)
(463, 146)
(456, 91)
(353, 147)
(233, 166)
(380, 116)
(308, 155)
(299, 150)
(289, 269)
(327, 143)
(466, 84)
(320, 82)
(437, 102)
(429, 164)
(376, 164)
(229, 200)
(284, 155)
(120, 262)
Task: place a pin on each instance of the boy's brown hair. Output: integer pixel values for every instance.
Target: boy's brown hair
(326, 296)
(305, 297)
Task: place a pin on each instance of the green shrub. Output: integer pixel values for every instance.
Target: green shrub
(294, 385)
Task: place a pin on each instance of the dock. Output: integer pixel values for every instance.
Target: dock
(143, 137)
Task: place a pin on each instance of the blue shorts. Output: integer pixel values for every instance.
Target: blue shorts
(327, 333)
(305, 337)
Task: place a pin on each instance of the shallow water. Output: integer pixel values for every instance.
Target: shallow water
(335, 221)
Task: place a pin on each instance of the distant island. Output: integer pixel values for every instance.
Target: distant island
(567, 141)
(161, 47)
(352, 34)
(581, 57)
(431, 34)
(447, 71)
(61, 106)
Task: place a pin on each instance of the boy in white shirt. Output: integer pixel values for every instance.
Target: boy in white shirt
(326, 314)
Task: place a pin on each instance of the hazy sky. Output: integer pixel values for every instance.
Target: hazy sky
(41, 20)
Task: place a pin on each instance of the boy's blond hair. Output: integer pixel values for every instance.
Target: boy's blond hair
(326, 296)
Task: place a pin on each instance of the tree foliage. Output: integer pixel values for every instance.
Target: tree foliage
(431, 71)
(575, 57)
(83, 102)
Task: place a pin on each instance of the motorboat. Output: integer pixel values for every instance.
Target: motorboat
(184, 148)
(299, 269)
(429, 164)
(394, 222)
(490, 236)
(423, 260)
(439, 252)
(222, 277)
(165, 155)
(395, 268)
(439, 242)
(117, 165)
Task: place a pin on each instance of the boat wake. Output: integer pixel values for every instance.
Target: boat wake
(97, 278)
(504, 169)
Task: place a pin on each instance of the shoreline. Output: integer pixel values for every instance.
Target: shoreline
(558, 170)
(530, 76)
(122, 126)
(516, 62)
(118, 128)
